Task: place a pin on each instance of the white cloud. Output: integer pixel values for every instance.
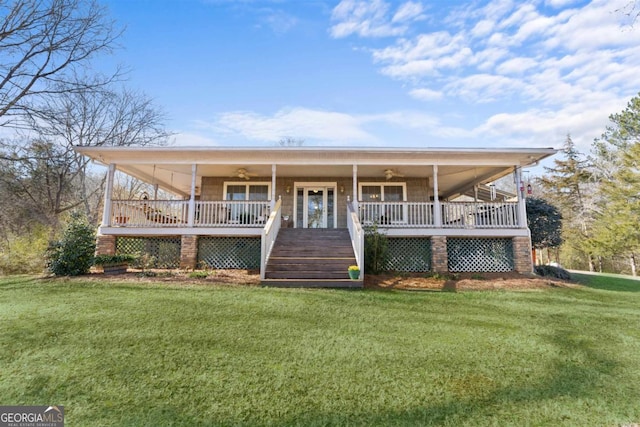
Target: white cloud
(279, 21)
(373, 18)
(522, 56)
(299, 122)
(326, 127)
(516, 65)
(549, 127)
(408, 11)
(425, 94)
(189, 139)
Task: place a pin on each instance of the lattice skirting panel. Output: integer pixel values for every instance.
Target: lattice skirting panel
(229, 252)
(480, 255)
(155, 252)
(409, 254)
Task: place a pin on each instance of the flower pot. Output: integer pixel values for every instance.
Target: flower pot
(354, 274)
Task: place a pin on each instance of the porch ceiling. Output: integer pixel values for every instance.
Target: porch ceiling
(458, 169)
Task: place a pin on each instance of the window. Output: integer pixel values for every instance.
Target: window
(246, 213)
(382, 192)
(242, 191)
(380, 203)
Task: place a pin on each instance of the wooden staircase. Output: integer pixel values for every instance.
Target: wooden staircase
(311, 258)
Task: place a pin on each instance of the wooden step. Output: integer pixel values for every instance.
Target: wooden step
(311, 258)
(313, 283)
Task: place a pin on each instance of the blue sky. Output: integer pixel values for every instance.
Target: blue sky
(493, 73)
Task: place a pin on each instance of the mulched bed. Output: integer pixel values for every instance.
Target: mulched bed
(464, 282)
(399, 281)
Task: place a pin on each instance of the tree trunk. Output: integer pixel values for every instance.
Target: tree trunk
(592, 266)
(632, 261)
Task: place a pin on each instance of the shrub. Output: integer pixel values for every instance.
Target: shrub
(376, 250)
(551, 271)
(24, 254)
(73, 255)
(114, 259)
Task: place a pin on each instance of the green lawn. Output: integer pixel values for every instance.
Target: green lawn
(156, 355)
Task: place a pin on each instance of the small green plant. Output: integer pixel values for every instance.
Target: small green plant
(114, 259)
(478, 276)
(146, 273)
(73, 255)
(376, 250)
(145, 261)
(551, 271)
(198, 274)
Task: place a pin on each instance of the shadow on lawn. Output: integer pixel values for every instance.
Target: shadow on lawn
(579, 373)
(607, 282)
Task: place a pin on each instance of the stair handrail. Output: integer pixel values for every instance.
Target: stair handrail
(269, 235)
(356, 232)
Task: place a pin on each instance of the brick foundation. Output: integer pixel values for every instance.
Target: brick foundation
(439, 257)
(105, 245)
(189, 252)
(522, 262)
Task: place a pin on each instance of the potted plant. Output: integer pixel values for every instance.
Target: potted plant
(354, 272)
(114, 264)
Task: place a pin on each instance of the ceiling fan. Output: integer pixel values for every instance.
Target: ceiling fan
(242, 173)
(390, 173)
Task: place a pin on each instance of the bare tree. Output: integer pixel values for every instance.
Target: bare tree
(290, 141)
(45, 45)
(96, 118)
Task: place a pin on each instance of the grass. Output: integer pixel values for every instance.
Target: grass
(151, 355)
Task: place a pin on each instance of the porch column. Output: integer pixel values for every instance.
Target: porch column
(192, 197)
(439, 254)
(355, 188)
(189, 252)
(106, 213)
(437, 211)
(273, 186)
(522, 207)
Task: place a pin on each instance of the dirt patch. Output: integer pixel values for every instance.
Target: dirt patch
(401, 281)
(229, 277)
(464, 282)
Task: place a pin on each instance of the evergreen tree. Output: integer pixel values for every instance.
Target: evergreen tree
(617, 230)
(569, 186)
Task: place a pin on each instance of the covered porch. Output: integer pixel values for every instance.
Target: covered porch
(422, 193)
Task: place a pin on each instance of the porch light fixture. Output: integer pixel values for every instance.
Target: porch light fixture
(288, 189)
(341, 189)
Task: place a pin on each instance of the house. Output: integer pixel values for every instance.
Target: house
(299, 214)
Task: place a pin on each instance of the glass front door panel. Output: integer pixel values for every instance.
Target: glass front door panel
(316, 213)
(330, 207)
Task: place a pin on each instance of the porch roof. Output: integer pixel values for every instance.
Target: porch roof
(459, 168)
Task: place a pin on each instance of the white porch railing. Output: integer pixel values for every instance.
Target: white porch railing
(397, 214)
(357, 236)
(175, 213)
(269, 235)
(480, 215)
(149, 213)
(454, 214)
(231, 213)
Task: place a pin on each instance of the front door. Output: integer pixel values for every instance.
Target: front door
(315, 207)
(316, 212)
